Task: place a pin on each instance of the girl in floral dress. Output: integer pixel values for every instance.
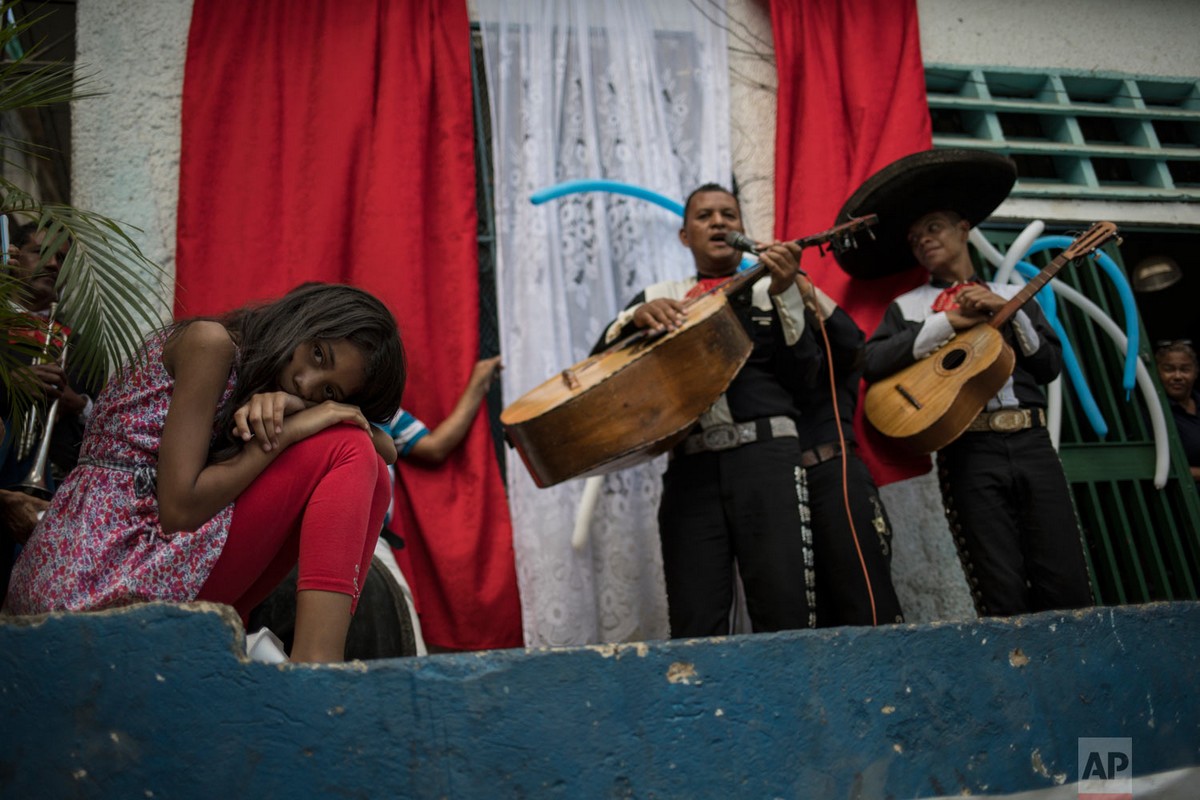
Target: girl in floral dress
(228, 450)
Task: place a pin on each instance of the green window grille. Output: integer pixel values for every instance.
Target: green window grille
(1114, 137)
(1142, 543)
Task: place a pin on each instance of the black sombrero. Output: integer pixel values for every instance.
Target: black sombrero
(969, 182)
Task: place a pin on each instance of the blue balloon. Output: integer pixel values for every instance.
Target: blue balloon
(614, 187)
(598, 185)
(1048, 302)
(1046, 299)
(1124, 293)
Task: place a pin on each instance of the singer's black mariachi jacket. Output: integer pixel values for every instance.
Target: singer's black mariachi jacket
(744, 498)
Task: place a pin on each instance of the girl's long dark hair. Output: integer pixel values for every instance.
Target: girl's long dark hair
(268, 334)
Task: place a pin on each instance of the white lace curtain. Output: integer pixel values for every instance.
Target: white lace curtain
(634, 91)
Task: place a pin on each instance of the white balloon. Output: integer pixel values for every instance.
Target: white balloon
(583, 516)
(1158, 422)
(1006, 266)
(1005, 273)
(1018, 249)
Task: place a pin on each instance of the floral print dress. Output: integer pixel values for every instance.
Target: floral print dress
(101, 543)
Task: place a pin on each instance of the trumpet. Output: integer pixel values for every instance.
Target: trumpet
(35, 482)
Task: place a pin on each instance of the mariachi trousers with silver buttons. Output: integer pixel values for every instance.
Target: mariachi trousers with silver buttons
(1010, 510)
(748, 504)
(843, 594)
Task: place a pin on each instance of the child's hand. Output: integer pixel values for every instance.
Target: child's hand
(262, 417)
(484, 372)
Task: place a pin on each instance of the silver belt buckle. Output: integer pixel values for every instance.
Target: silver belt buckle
(1008, 420)
(720, 437)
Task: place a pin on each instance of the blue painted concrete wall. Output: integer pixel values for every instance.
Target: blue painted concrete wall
(154, 702)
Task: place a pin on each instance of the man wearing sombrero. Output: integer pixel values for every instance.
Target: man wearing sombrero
(1005, 493)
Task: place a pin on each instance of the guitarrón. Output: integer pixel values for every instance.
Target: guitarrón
(638, 399)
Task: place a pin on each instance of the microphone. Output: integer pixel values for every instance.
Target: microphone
(740, 241)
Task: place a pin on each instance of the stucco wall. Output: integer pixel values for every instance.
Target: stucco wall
(1140, 37)
(125, 143)
(752, 85)
(153, 702)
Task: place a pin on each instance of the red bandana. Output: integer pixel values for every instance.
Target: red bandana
(704, 286)
(945, 301)
(37, 330)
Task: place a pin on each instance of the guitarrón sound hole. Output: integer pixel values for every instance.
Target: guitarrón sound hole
(954, 359)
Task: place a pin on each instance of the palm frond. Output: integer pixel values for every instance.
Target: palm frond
(22, 87)
(31, 149)
(19, 347)
(24, 84)
(109, 292)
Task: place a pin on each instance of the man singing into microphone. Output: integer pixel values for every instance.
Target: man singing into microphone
(734, 490)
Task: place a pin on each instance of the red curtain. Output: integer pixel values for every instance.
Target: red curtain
(851, 101)
(333, 141)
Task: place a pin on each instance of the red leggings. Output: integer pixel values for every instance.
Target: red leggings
(322, 500)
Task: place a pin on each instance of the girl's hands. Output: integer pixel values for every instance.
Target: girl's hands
(315, 419)
(262, 417)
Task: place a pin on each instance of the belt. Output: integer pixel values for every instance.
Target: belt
(1008, 420)
(145, 476)
(727, 437)
(822, 453)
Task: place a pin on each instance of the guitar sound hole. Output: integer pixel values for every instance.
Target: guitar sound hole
(954, 359)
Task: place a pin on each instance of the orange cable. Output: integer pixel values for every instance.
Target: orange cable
(837, 415)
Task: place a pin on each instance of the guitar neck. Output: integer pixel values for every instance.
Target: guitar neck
(748, 276)
(838, 236)
(1031, 288)
(742, 279)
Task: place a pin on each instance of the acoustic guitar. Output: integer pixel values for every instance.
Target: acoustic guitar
(929, 404)
(640, 397)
